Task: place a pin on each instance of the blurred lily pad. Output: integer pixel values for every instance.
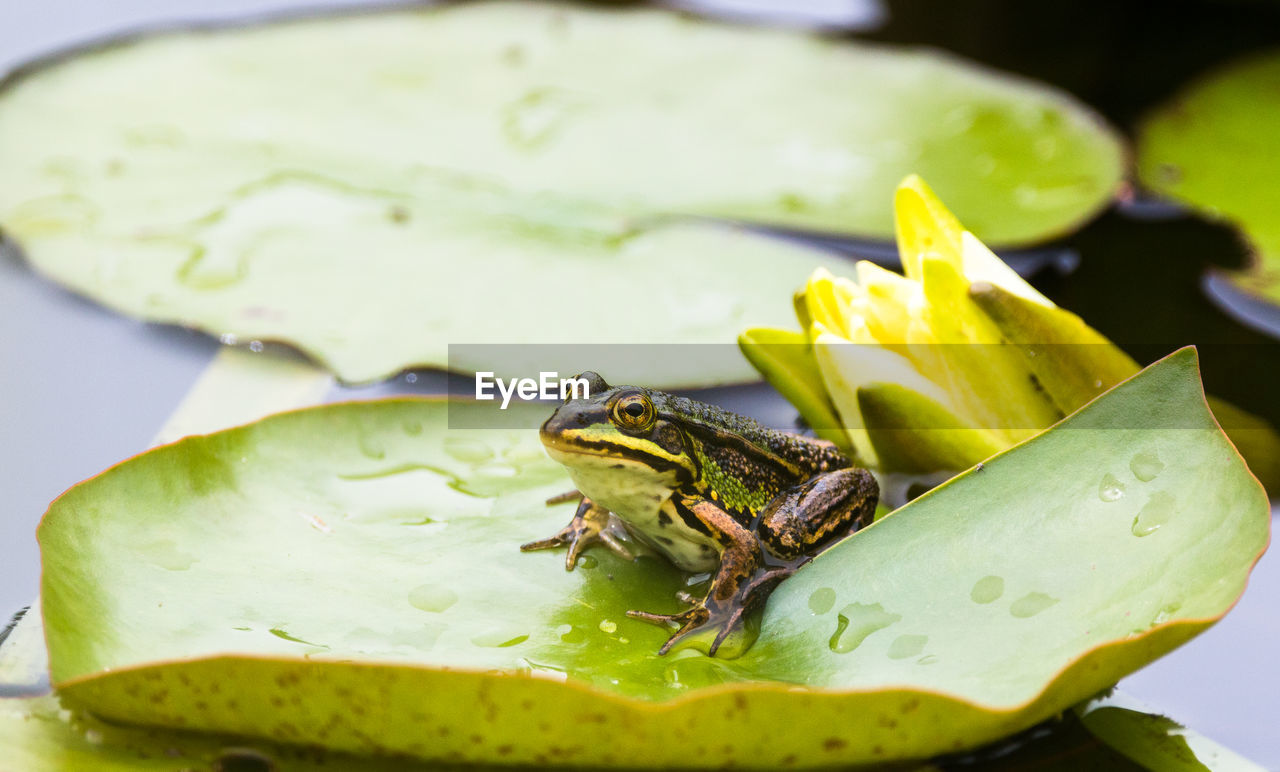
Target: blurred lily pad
(348, 576)
(1213, 147)
(499, 172)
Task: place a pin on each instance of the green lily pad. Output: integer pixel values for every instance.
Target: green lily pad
(38, 733)
(349, 576)
(1213, 147)
(498, 172)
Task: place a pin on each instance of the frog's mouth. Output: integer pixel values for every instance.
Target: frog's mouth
(571, 446)
(577, 448)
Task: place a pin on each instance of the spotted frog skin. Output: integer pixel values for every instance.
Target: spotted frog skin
(710, 490)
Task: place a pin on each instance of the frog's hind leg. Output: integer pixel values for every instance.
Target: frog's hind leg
(591, 524)
(800, 522)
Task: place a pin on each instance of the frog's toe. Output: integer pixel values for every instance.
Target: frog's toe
(570, 536)
(576, 546)
(731, 628)
(611, 541)
(662, 620)
(561, 498)
(541, 544)
(566, 535)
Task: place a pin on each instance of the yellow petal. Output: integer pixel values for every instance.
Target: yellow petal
(785, 359)
(924, 227)
(982, 265)
(987, 379)
(824, 302)
(801, 305)
(888, 300)
(846, 366)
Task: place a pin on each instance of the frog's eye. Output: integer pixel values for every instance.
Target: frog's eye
(633, 411)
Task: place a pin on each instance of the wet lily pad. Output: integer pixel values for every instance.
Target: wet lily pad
(349, 576)
(498, 172)
(37, 733)
(1213, 146)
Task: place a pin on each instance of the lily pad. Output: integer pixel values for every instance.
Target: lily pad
(349, 576)
(38, 733)
(1213, 146)
(499, 172)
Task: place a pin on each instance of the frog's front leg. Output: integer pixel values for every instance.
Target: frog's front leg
(792, 528)
(591, 524)
(732, 595)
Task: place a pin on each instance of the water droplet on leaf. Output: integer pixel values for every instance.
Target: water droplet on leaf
(372, 447)
(432, 597)
(1110, 489)
(907, 646)
(856, 622)
(499, 639)
(987, 589)
(1031, 604)
(1146, 466)
(822, 599)
(1154, 514)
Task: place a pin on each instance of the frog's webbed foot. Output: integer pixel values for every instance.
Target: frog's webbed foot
(726, 617)
(591, 524)
(686, 623)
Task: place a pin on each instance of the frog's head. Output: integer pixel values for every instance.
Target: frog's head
(618, 431)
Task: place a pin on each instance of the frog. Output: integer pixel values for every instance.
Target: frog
(709, 490)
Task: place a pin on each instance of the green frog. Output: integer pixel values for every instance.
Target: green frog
(710, 490)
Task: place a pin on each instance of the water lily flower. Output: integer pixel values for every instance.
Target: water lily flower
(942, 367)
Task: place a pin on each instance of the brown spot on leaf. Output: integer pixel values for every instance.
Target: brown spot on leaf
(833, 743)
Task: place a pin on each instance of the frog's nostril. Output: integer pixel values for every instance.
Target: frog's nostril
(559, 422)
